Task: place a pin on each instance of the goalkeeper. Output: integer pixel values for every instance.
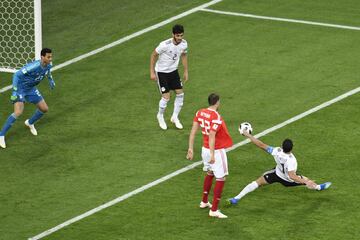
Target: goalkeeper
(24, 90)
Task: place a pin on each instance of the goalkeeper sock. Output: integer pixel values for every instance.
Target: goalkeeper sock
(37, 115)
(8, 124)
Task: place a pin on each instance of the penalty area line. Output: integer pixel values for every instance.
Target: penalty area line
(282, 19)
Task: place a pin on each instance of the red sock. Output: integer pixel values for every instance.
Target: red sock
(217, 194)
(207, 186)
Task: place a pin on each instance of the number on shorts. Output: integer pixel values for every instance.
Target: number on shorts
(37, 93)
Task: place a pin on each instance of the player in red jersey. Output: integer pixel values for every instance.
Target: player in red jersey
(216, 138)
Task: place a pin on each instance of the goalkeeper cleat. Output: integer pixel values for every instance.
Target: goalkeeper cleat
(216, 214)
(324, 186)
(177, 123)
(32, 127)
(233, 201)
(205, 205)
(2, 142)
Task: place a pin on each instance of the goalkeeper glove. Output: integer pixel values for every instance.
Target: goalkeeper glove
(14, 94)
(52, 84)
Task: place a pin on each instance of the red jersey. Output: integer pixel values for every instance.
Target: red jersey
(211, 120)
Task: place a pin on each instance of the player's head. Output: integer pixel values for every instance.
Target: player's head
(287, 145)
(178, 33)
(214, 100)
(46, 56)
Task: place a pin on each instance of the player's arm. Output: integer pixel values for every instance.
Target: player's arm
(212, 146)
(184, 61)
(16, 78)
(51, 80)
(257, 142)
(15, 81)
(302, 180)
(190, 153)
(154, 56)
(296, 178)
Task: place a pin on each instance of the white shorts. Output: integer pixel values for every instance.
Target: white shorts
(220, 167)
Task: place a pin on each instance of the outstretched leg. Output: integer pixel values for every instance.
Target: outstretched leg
(18, 110)
(249, 188)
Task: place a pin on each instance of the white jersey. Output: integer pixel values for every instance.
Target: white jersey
(285, 162)
(169, 55)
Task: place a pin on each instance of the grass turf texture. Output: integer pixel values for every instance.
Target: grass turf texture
(101, 140)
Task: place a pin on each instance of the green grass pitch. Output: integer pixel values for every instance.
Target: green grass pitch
(101, 140)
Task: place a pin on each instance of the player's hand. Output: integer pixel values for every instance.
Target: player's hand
(152, 75)
(52, 84)
(14, 94)
(190, 154)
(310, 184)
(246, 133)
(212, 160)
(186, 76)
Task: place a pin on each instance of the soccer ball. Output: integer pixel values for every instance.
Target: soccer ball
(245, 126)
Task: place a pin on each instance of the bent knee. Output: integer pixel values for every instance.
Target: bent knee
(18, 113)
(44, 109)
(166, 96)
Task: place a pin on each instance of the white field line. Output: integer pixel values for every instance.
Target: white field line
(127, 38)
(282, 19)
(8, 70)
(5, 88)
(189, 167)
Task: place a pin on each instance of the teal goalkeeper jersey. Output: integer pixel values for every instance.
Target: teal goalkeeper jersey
(31, 75)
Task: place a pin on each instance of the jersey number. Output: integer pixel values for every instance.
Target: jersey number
(205, 125)
(283, 168)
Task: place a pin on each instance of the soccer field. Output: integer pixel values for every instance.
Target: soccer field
(100, 139)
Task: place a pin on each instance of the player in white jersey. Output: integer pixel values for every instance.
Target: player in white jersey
(284, 172)
(165, 71)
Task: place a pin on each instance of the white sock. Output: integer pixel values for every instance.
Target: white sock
(178, 103)
(318, 187)
(249, 188)
(162, 105)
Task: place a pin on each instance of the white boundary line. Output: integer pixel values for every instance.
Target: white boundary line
(282, 19)
(127, 38)
(189, 167)
(5, 88)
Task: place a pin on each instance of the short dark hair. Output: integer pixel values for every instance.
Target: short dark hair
(213, 99)
(178, 29)
(44, 51)
(287, 145)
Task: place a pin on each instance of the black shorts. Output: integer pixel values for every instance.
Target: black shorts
(271, 177)
(169, 81)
